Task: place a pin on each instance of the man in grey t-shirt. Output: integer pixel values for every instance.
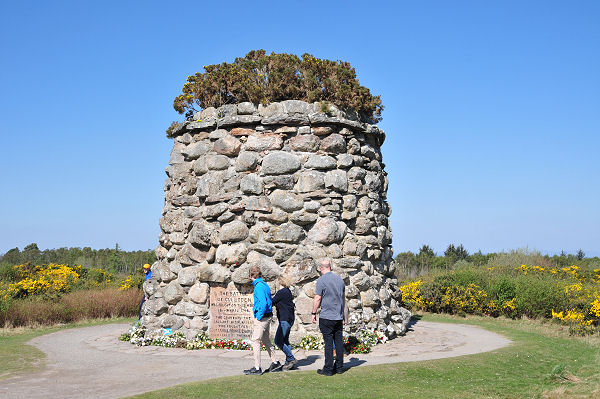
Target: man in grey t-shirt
(330, 295)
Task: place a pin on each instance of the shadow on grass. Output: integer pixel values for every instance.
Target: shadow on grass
(348, 362)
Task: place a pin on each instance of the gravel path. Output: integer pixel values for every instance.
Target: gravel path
(91, 362)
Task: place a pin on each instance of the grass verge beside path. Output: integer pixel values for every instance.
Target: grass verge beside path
(16, 356)
(542, 362)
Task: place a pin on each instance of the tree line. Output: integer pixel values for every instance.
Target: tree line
(113, 260)
(409, 264)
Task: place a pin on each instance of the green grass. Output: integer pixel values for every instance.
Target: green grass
(543, 361)
(16, 356)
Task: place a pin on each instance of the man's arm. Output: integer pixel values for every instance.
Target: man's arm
(316, 304)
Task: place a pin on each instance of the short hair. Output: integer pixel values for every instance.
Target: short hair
(255, 272)
(326, 263)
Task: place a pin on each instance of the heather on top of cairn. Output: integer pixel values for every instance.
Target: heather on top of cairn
(262, 79)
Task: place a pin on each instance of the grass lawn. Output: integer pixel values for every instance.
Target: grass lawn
(18, 357)
(543, 362)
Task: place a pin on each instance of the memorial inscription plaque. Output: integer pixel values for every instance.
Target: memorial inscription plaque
(230, 313)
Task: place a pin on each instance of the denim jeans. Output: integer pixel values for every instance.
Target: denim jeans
(282, 337)
(141, 304)
(332, 331)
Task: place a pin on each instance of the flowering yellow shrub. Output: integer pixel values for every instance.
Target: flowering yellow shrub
(131, 281)
(41, 279)
(572, 316)
(99, 276)
(569, 294)
(411, 294)
(570, 271)
(523, 268)
(127, 283)
(509, 308)
(595, 307)
(573, 289)
(470, 299)
(581, 291)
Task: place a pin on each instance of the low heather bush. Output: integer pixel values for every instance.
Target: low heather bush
(73, 306)
(262, 78)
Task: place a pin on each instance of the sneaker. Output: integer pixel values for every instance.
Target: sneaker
(275, 366)
(325, 372)
(253, 371)
(290, 365)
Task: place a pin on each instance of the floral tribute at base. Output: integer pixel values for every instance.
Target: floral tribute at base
(362, 342)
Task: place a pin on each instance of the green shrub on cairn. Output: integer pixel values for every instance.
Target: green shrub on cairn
(261, 78)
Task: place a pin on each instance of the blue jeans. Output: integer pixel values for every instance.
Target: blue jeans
(141, 303)
(282, 337)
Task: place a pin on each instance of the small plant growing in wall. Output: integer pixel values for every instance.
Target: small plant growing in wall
(325, 108)
(262, 78)
(171, 128)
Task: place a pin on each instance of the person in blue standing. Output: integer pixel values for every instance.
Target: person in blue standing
(263, 314)
(284, 304)
(148, 273)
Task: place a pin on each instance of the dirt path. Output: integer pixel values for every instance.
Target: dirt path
(90, 362)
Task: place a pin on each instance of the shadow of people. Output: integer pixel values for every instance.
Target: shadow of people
(307, 360)
(413, 320)
(353, 362)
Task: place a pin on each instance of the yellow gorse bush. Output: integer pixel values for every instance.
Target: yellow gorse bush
(570, 271)
(98, 276)
(54, 279)
(583, 292)
(127, 283)
(572, 316)
(42, 279)
(579, 287)
(470, 299)
(573, 289)
(595, 306)
(411, 294)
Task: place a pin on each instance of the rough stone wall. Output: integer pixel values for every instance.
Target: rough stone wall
(279, 186)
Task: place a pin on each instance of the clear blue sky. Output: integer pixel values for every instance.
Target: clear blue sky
(492, 112)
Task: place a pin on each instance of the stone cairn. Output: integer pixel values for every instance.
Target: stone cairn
(280, 186)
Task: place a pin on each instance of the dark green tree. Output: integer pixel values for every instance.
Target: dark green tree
(461, 253)
(115, 261)
(13, 257)
(450, 255)
(31, 253)
(425, 258)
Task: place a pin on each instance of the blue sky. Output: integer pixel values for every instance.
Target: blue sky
(492, 112)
